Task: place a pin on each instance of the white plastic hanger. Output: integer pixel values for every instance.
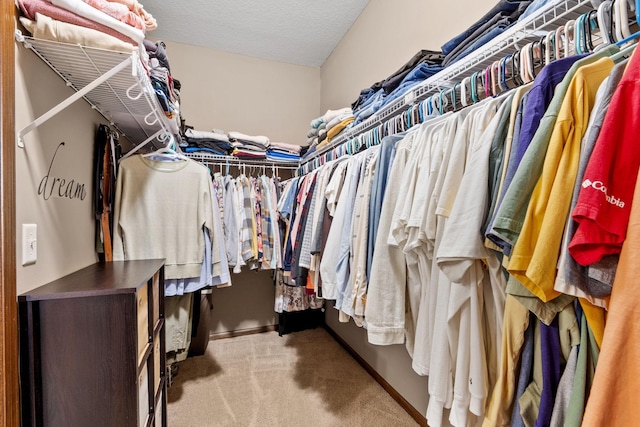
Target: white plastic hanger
(166, 153)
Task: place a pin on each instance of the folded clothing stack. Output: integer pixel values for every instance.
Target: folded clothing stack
(248, 146)
(336, 124)
(319, 131)
(504, 14)
(422, 65)
(117, 25)
(282, 152)
(206, 142)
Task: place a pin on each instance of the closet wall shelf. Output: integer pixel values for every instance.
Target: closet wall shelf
(236, 162)
(116, 84)
(529, 30)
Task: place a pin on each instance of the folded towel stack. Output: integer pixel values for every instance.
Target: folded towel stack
(282, 152)
(209, 142)
(338, 120)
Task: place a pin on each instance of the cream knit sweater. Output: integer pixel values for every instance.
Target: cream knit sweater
(160, 211)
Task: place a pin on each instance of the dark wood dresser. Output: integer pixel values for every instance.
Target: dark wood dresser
(92, 348)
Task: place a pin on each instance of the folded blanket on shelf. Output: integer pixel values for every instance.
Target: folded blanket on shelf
(29, 9)
(245, 146)
(118, 11)
(338, 119)
(280, 156)
(262, 140)
(331, 114)
(49, 29)
(246, 154)
(80, 8)
(138, 9)
(191, 149)
(315, 123)
(192, 133)
(335, 131)
(283, 146)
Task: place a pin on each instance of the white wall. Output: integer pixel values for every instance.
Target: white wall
(249, 95)
(65, 239)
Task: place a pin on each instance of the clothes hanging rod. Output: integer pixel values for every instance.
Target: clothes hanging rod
(221, 160)
(530, 29)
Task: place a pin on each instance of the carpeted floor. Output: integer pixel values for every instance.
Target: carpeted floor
(301, 379)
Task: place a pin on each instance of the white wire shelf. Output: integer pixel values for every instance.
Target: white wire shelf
(232, 161)
(530, 29)
(115, 84)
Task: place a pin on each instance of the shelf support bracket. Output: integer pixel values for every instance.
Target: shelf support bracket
(143, 143)
(70, 100)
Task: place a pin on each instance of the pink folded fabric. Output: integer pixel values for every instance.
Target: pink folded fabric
(119, 11)
(29, 9)
(287, 147)
(138, 9)
(83, 9)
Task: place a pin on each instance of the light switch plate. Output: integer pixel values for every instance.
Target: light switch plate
(29, 244)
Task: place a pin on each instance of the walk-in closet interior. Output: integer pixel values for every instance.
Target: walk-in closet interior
(337, 213)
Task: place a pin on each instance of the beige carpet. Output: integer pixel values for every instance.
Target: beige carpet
(301, 379)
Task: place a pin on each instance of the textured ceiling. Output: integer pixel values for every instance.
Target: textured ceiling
(301, 32)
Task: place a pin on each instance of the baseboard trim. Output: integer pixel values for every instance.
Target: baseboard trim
(241, 332)
(404, 403)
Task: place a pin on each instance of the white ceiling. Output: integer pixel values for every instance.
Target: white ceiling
(301, 32)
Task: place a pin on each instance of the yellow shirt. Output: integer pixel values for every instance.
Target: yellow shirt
(535, 255)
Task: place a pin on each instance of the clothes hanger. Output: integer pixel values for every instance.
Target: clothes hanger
(579, 35)
(474, 88)
(466, 85)
(166, 153)
(569, 38)
(515, 69)
(495, 71)
(486, 81)
(549, 47)
(622, 18)
(535, 53)
(559, 42)
(605, 22)
(454, 96)
(524, 64)
(434, 104)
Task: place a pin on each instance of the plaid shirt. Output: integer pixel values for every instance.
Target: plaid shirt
(249, 251)
(267, 231)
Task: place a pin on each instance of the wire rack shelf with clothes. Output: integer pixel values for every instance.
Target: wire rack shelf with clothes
(390, 118)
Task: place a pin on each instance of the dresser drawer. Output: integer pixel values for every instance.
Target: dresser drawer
(156, 364)
(143, 320)
(155, 295)
(143, 396)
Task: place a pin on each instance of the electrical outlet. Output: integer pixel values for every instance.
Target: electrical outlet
(29, 244)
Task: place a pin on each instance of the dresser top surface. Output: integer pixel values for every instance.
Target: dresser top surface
(117, 277)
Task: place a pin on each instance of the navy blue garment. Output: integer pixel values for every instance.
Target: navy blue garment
(551, 355)
(526, 371)
(416, 75)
